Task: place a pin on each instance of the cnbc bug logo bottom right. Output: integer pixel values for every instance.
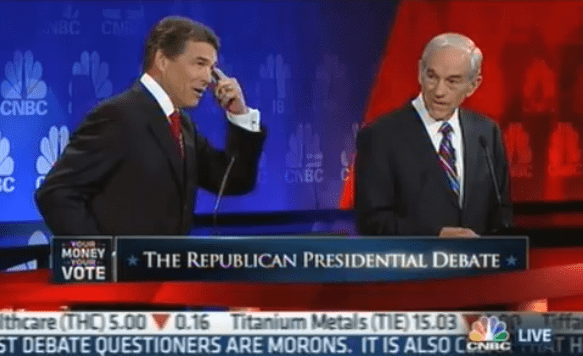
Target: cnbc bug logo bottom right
(488, 334)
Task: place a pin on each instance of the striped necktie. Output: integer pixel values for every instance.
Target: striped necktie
(447, 158)
(175, 118)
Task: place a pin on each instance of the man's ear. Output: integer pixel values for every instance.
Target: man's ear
(474, 85)
(420, 73)
(160, 61)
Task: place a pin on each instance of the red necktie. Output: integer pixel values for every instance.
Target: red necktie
(177, 132)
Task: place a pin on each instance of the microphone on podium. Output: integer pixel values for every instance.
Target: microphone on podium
(484, 144)
(220, 195)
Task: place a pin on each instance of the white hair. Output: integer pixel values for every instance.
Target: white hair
(457, 41)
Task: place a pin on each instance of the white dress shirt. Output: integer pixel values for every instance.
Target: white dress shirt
(432, 126)
(249, 121)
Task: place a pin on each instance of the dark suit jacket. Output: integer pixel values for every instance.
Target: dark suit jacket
(121, 173)
(402, 190)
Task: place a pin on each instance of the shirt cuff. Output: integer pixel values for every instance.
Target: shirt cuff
(249, 121)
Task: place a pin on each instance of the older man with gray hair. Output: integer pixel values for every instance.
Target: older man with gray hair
(433, 168)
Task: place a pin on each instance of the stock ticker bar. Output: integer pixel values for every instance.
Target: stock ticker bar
(289, 333)
(281, 259)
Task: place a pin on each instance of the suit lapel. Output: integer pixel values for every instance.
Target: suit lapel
(421, 145)
(189, 145)
(160, 129)
(471, 155)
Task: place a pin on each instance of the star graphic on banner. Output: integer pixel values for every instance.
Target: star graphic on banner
(132, 261)
(511, 261)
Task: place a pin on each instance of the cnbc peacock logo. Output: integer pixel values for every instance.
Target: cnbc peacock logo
(37, 238)
(6, 167)
(488, 334)
(23, 90)
(51, 148)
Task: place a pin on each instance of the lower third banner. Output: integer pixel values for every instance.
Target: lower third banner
(314, 259)
(289, 333)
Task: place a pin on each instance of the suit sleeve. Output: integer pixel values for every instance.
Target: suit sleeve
(87, 162)
(375, 187)
(502, 215)
(244, 148)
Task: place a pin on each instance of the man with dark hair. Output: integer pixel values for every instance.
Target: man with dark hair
(170, 36)
(424, 170)
(135, 163)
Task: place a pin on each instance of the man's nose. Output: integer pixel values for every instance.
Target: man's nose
(441, 88)
(208, 75)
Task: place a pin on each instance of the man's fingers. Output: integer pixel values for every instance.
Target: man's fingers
(226, 98)
(230, 96)
(454, 231)
(220, 73)
(229, 83)
(226, 89)
(470, 233)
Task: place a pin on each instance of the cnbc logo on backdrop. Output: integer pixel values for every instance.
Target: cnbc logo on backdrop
(304, 158)
(6, 167)
(23, 90)
(51, 148)
(488, 335)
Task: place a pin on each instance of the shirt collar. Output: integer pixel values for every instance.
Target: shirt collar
(159, 94)
(419, 105)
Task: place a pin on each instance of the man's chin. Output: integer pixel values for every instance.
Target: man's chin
(440, 115)
(192, 104)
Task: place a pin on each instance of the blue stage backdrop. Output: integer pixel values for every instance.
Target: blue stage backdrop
(307, 65)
